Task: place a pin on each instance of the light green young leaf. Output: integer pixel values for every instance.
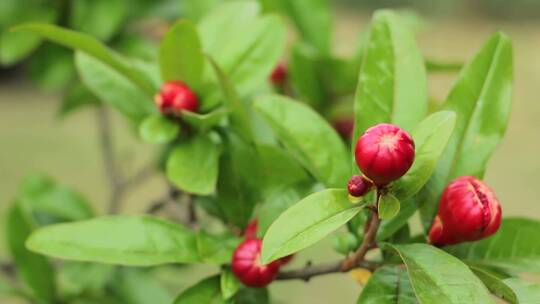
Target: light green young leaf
(113, 88)
(158, 129)
(122, 240)
(307, 222)
(513, 247)
(388, 285)
(193, 165)
(481, 99)
(388, 207)
(229, 284)
(180, 55)
(392, 82)
(391, 226)
(92, 47)
(314, 143)
(438, 277)
(33, 269)
(495, 284)
(206, 291)
(216, 249)
(527, 293)
(430, 139)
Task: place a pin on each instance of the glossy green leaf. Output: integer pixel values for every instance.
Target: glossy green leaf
(206, 291)
(41, 194)
(229, 284)
(388, 206)
(158, 129)
(430, 139)
(388, 285)
(123, 240)
(34, 270)
(438, 277)
(392, 82)
(99, 18)
(513, 247)
(481, 99)
(180, 54)
(527, 293)
(308, 137)
(92, 47)
(204, 122)
(137, 286)
(113, 88)
(495, 284)
(193, 165)
(307, 222)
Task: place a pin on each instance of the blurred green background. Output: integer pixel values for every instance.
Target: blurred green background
(32, 138)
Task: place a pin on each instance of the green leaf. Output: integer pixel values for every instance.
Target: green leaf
(252, 296)
(77, 97)
(392, 82)
(158, 129)
(41, 194)
(52, 67)
(16, 46)
(229, 284)
(136, 286)
(305, 79)
(388, 285)
(193, 165)
(495, 284)
(527, 293)
(307, 222)
(99, 18)
(180, 54)
(216, 249)
(94, 281)
(206, 291)
(33, 269)
(481, 99)
(204, 122)
(388, 206)
(92, 47)
(113, 88)
(123, 240)
(196, 9)
(513, 247)
(314, 143)
(438, 277)
(430, 139)
(391, 226)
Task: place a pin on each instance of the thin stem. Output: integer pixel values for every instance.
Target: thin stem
(311, 271)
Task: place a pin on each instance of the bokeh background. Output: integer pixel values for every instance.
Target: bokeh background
(34, 139)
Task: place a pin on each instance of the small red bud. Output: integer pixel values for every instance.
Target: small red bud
(344, 127)
(279, 74)
(175, 97)
(359, 186)
(384, 153)
(247, 268)
(468, 211)
(251, 230)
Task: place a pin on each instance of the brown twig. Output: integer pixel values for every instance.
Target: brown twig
(368, 243)
(311, 271)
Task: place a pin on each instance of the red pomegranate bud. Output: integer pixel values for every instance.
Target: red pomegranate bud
(384, 153)
(247, 268)
(251, 229)
(359, 186)
(175, 97)
(344, 127)
(279, 74)
(468, 211)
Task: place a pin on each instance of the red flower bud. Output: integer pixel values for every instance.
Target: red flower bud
(175, 97)
(359, 185)
(251, 230)
(384, 153)
(468, 211)
(344, 127)
(247, 268)
(279, 74)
